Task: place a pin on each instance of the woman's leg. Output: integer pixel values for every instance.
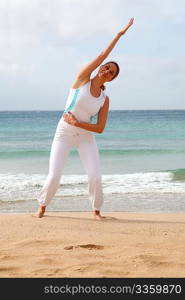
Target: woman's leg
(89, 156)
(58, 156)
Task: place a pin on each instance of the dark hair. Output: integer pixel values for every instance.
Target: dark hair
(118, 69)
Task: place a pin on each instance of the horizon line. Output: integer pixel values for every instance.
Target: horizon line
(45, 110)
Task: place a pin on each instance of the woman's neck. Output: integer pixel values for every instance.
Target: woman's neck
(97, 82)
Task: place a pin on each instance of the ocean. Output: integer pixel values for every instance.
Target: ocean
(142, 155)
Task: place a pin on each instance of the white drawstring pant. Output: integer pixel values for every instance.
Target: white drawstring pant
(67, 137)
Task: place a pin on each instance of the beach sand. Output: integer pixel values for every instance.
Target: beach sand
(73, 244)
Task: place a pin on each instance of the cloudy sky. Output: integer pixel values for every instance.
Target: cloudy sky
(43, 43)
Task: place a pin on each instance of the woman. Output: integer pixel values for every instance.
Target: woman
(86, 99)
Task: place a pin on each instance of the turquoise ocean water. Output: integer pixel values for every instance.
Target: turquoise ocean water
(142, 160)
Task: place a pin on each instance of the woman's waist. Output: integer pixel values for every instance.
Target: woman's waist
(81, 114)
(63, 126)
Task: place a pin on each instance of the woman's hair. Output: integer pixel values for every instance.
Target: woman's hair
(118, 69)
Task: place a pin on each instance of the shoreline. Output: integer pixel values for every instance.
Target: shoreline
(73, 244)
(90, 212)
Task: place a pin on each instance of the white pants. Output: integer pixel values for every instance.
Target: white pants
(67, 137)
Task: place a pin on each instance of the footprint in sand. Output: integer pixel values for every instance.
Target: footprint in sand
(4, 269)
(88, 246)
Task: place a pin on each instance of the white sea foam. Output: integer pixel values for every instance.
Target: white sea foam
(14, 187)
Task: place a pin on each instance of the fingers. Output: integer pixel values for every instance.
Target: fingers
(131, 21)
(72, 116)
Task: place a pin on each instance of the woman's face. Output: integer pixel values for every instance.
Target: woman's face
(107, 72)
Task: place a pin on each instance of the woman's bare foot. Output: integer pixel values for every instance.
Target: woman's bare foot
(97, 215)
(41, 211)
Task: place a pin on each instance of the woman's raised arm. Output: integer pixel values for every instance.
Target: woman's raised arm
(86, 71)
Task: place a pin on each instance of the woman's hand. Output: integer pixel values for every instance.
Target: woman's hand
(70, 119)
(131, 21)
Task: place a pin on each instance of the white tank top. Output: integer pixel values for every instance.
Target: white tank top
(82, 104)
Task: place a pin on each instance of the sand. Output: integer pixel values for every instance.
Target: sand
(74, 245)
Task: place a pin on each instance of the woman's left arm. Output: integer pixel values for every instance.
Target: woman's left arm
(101, 121)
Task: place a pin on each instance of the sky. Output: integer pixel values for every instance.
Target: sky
(44, 43)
